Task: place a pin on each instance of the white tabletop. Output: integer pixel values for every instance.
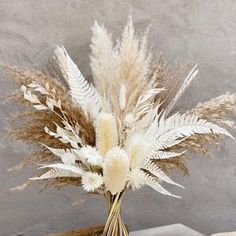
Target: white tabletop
(169, 230)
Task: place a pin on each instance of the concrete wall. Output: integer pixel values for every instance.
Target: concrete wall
(204, 30)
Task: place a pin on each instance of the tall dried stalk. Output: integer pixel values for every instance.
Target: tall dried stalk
(115, 225)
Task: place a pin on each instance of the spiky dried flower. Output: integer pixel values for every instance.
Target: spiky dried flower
(115, 170)
(106, 133)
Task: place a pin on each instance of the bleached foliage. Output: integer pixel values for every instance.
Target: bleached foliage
(117, 135)
(83, 92)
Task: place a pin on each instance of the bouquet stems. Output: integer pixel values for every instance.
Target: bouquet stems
(115, 225)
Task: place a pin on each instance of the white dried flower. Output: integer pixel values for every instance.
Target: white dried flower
(136, 179)
(115, 170)
(136, 147)
(106, 133)
(91, 181)
(91, 155)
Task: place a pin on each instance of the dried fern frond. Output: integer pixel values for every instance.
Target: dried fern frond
(82, 92)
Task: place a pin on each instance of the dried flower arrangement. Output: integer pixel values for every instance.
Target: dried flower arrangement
(120, 133)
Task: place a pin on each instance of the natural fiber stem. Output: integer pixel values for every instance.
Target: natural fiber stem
(115, 226)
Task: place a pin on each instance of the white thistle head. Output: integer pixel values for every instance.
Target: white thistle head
(115, 170)
(91, 181)
(106, 133)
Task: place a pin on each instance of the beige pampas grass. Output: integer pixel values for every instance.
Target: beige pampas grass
(116, 169)
(218, 110)
(106, 133)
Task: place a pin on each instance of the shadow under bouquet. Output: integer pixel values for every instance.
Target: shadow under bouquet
(118, 132)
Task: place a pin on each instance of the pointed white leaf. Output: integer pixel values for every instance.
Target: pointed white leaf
(60, 166)
(55, 173)
(40, 107)
(155, 170)
(80, 89)
(151, 182)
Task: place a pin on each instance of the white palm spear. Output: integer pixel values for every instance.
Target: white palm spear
(124, 156)
(84, 94)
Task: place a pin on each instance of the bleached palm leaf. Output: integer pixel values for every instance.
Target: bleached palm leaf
(153, 183)
(67, 155)
(156, 171)
(154, 155)
(64, 167)
(173, 130)
(83, 93)
(55, 173)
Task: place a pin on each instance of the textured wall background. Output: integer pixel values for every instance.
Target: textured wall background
(204, 30)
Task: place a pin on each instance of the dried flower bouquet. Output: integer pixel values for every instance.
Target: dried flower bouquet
(119, 133)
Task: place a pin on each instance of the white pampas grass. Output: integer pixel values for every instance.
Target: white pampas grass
(91, 155)
(106, 133)
(116, 169)
(104, 63)
(91, 181)
(136, 179)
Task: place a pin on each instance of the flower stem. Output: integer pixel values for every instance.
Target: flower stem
(115, 225)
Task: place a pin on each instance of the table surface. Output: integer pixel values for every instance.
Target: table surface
(168, 230)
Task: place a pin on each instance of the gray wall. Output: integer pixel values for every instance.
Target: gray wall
(202, 30)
